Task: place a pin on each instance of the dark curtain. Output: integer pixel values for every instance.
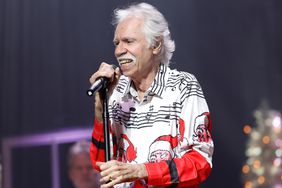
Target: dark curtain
(49, 49)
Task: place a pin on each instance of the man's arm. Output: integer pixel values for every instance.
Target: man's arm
(189, 170)
(194, 165)
(97, 152)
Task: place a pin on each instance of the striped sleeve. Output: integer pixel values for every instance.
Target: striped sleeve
(97, 147)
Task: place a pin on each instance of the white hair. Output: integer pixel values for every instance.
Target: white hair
(77, 148)
(155, 27)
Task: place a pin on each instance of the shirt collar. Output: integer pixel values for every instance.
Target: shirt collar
(156, 88)
(158, 85)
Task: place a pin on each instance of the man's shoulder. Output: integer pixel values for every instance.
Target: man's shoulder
(185, 83)
(181, 75)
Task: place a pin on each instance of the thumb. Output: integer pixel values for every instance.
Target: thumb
(99, 163)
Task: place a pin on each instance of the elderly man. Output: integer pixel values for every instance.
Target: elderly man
(80, 171)
(159, 120)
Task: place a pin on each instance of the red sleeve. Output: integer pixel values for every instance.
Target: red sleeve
(97, 148)
(188, 171)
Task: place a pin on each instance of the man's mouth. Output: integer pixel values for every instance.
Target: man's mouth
(124, 61)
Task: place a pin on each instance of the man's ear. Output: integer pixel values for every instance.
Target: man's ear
(157, 48)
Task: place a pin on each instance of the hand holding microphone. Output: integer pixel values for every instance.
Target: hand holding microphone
(107, 75)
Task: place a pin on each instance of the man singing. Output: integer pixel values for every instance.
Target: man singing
(159, 119)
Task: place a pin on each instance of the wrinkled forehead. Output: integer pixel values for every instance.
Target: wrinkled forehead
(130, 24)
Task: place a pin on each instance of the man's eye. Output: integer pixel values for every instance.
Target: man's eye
(116, 43)
(129, 41)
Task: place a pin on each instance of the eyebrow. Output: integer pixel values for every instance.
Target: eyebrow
(124, 39)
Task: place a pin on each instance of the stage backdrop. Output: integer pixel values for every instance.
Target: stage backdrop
(49, 49)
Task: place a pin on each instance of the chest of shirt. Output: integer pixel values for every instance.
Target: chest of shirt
(135, 115)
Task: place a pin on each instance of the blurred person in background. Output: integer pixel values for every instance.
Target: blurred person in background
(80, 170)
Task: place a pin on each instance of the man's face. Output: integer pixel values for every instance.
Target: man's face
(81, 172)
(136, 58)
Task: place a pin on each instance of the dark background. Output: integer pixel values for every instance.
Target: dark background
(49, 49)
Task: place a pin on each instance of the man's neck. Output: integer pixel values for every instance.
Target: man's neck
(144, 84)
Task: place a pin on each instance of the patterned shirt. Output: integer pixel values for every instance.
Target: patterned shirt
(169, 130)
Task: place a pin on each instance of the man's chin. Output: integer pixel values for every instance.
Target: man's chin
(127, 73)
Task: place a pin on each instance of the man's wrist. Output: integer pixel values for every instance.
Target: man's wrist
(142, 172)
(98, 108)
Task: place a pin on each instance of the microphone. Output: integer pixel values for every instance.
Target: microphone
(101, 82)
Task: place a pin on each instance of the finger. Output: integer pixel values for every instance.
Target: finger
(110, 165)
(110, 172)
(99, 163)
(118, 71)
(106, 179)
(93, 78)
(107, 66)
(105, 70)
(109, 181)
(110, 169)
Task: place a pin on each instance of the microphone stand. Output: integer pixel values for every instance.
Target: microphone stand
(105, 115)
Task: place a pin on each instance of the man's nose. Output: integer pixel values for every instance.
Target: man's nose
(120, 50)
